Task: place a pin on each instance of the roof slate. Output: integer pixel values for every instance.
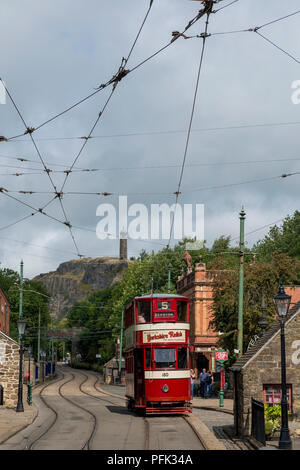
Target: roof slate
(261, 342)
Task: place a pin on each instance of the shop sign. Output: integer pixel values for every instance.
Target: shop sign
(221, 355)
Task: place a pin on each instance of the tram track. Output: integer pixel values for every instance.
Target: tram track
(87, 443)
(156, 431)
(147, 420)
(30, 446)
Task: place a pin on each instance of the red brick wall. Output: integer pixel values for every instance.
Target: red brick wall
(294, 291)
(4, 312)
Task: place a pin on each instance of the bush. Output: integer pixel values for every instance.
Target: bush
(87, 366)
(272, 419)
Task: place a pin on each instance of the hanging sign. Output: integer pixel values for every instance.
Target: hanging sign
(221, 355)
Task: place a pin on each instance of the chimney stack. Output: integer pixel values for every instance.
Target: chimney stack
(123, 245)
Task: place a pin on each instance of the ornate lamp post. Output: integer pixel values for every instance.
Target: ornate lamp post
(21, 328)
(282, 304)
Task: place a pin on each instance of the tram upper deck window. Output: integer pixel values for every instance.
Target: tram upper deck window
(182, 311)
(144, 311)
(164, 358)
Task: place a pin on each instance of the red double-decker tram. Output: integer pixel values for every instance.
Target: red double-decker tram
(157, 359)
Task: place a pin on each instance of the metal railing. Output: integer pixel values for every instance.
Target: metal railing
(258, 421)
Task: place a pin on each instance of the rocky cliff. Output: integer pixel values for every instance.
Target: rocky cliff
(76, 279)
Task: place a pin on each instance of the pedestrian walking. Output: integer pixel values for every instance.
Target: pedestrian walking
(203, 377)
(209, 383)
(193, 377)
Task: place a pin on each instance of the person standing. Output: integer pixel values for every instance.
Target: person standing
(193, 377)
(203, 377)
(209, 383)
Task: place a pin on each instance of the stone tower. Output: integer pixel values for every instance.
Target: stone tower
(123, 245)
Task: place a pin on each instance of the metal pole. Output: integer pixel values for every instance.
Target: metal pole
(284, 441)
(20, 407)
(241, 282)
(121, 344)
(222, 384)
(52, 356)
(169, 279)
(21, 294)
(39, 337)
(5, 324)
(29, 378)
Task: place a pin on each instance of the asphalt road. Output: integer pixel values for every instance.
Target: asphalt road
(74, 415)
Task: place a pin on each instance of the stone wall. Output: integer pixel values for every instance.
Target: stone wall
(9, 370)
(264, 368)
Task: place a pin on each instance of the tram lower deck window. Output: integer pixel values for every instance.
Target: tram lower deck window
(164, 358)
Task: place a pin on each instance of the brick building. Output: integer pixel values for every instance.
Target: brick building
(197, 285)
(294, 292)
(4, 313)
(257, 374)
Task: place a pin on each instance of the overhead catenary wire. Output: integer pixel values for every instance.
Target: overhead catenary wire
(269, 23)
(29, 131)
(208, 12)
(278, 47)
(150, 167)
(167, 132)
(169, 193)
(116, 79)
(225, 6)
(121, 73)
(113, 81)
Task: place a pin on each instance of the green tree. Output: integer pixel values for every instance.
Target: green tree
(32, 304)
(283, 239)
(260, 276)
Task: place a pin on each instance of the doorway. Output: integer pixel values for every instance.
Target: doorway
(202, 363)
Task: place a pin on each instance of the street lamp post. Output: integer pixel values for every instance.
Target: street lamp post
(21, 329)
(21, 294)
(282, 303)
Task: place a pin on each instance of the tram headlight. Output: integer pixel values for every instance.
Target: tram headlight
(165, 388)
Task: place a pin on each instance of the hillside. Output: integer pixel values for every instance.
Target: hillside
(75, 280)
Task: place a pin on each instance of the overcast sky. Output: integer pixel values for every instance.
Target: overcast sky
(54, 53)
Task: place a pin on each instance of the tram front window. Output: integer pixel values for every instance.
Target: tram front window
(144, 312)
(165, 358)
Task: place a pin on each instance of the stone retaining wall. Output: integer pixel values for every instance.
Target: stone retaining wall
(9, 370)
